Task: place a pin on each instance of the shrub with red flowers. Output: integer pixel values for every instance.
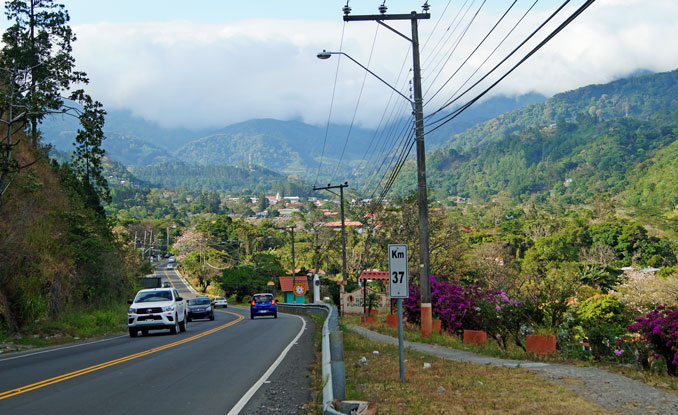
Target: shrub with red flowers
(659, 329)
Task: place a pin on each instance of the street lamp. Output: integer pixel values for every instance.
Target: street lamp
(417, 104)
(326, 55)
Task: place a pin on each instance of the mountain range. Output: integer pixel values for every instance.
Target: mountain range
(291, 148)
(618, 140)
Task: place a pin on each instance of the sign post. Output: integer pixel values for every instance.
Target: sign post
(398, 287)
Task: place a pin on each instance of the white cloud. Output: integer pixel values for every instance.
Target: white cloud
(186, 74)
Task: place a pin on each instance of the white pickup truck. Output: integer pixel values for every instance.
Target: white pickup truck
(157, 309)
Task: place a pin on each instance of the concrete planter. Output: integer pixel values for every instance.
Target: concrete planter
(367, 319)
(478, 337)
(540, 344)
(436, 324)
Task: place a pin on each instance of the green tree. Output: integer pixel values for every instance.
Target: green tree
(36, 69)
(39, 42)
(262, 204)
(89, 153)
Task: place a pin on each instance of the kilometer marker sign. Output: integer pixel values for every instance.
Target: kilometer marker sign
(398, 286)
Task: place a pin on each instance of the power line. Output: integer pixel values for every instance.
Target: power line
(334, 88)
(391, 120)
(392, 153)
(456, 44)
(494, 50)
(381, 121)
(444, 120)
(451, 101)
(355, 112)
(453, 45)
(469, 56)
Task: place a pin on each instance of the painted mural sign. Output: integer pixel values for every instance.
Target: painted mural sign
(352, 302)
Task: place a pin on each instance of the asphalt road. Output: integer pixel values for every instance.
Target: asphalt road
(216, 367)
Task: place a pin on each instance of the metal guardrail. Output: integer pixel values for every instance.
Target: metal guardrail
(333, 368)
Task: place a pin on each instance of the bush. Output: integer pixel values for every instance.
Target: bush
(659, 331)
(452, 302)
(603, 319)
(505, 318)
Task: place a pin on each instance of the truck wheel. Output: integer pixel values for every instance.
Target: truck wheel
(184, 324)
(133, 332)
(175, 328)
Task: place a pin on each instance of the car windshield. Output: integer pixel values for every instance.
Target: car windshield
(263, 299)
(151, 296)
(199, 301)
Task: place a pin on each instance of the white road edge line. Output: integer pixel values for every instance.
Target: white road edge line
(247, 396)
(4, 359)
(183, 280)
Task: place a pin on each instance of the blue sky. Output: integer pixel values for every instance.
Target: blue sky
(214, 63)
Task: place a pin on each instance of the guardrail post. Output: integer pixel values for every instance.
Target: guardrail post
(338, 365)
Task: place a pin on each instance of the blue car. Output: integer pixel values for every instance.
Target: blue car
(263, 305)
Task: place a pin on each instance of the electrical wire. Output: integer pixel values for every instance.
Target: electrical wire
(381, 120)
(454, 99)
(329, 117)
(456, 45)
(469, 56)
(391, 153)
(493, 51)
(442, 56)
(390, 137)
(378, 131)
(569, 20)
(355, 112)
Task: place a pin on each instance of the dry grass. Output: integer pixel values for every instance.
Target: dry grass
(449, 387)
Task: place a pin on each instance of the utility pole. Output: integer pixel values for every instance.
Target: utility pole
(424, 260)
(168, 239)
(343, 224)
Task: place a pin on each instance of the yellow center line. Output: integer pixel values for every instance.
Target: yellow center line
(71, 375)
(164, 272)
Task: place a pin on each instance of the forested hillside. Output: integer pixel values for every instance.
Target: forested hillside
(59, 254)
(577, 160)
(637, 97)
(616, 139)
(223, 177)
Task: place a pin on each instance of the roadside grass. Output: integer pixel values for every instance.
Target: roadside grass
(449, 387)
(315, 407)
(656, 377)
(73, 325)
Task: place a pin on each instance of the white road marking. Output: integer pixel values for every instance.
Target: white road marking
(247, 396)
(60, 348)
(188, 286)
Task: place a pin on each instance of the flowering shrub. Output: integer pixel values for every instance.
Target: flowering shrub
(603, 319)
(461, 307)
(452, 302)
(659, 330)
(504, 318)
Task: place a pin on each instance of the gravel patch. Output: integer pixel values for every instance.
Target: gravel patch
(288, 390)
(612, 392)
